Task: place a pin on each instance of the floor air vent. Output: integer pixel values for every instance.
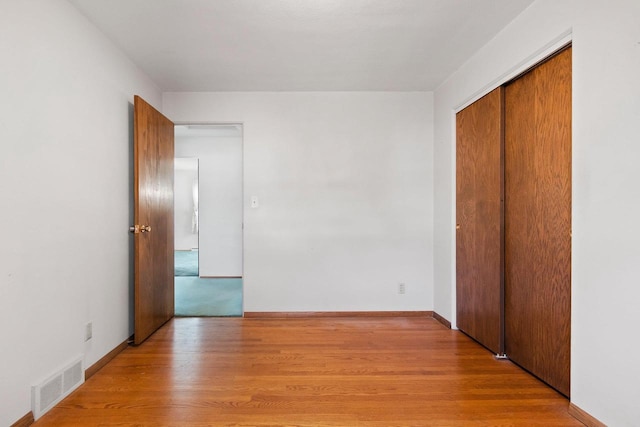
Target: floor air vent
(49, 392)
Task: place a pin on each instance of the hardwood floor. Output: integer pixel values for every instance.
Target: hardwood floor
(356, 371)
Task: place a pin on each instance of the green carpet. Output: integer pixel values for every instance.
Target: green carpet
(208, 297)
(186, 263)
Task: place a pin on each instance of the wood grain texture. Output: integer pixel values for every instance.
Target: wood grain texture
(479, 243)
(310, 372)
(303, 314)
(25, 421)
(584, 417)
(153, 206)
(442, 320)
(91, 370)
(538, 221)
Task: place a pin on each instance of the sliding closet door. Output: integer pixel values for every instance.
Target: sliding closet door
(479, 215)
(538, 221)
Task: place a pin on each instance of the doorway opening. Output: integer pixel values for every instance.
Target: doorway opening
(185, 196)
(208, 203)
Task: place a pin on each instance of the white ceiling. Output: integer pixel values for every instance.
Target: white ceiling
(299, 45)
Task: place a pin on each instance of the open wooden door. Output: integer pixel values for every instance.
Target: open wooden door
(153, 214)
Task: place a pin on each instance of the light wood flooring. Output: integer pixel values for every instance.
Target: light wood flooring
(358, 371)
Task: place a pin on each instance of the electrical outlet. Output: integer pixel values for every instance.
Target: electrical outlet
(88, 331)
(402, 289)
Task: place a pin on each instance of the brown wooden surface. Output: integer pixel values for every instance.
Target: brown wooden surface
(153, 206)
(286, 314)
(310, 372)
(479, 249)
(25, 421)
(538, 221)
(442, 320)
(584, 417)
(91, 370)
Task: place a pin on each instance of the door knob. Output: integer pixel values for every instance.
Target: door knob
(135, 229)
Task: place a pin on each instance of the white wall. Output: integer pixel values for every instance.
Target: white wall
(605, 375)
(220, 200)
(65, 184)
(185, 177)
(344, 182)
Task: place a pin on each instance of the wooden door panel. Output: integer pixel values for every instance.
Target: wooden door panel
(538, 221)
(153, 207)
(479, 132)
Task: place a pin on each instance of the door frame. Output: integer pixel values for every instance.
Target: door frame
(242, 188)
(197, 161)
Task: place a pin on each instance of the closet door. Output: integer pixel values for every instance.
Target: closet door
(479, 130)
(538, 221)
